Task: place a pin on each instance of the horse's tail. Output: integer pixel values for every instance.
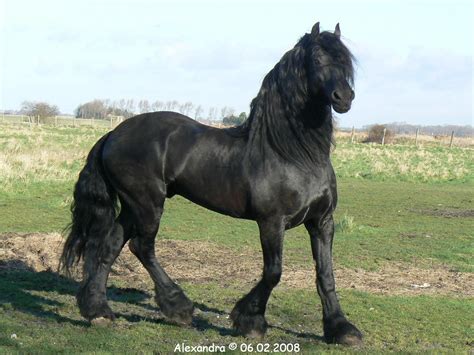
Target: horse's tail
(93, 210)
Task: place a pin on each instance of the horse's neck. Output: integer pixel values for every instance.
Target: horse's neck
(303, 138)
(315, 123)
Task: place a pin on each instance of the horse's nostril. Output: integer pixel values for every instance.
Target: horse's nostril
(352, 94)
(335, 96)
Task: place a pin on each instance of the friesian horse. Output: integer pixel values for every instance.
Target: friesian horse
(274, 169)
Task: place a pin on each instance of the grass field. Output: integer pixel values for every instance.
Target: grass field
(403, 253)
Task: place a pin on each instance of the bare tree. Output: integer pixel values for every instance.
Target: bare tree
(113, 108)
(157, 105)
(168, 105)
(144, 106)
(130, 106)
(119, 108)
(186, 108)
(197, 111)
(122, 104)
(212, 113)
(224, 112)
(174, 105)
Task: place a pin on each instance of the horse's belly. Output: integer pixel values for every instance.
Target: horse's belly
(228, 200)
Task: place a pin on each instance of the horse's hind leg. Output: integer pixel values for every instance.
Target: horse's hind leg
(170, 297)
(99, 256)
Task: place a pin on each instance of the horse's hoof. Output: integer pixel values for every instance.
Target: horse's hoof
(341, 331)
(178, 310)
(101, 321)
(350, 340)
(255, 334)
(254, 326)
(183, 318)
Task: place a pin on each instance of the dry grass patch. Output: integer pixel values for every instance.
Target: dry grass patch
(200, 262)
(403, 162)
(43, 154)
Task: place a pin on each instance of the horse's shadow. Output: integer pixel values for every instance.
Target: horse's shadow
(19, 291)
(20, 288)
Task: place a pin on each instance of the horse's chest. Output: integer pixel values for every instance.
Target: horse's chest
(294, 196)
(315, 207)
(298, 201)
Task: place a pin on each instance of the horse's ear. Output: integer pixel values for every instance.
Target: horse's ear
(315, 30)
(337, 31)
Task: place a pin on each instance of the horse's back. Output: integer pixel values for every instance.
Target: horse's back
(178, 155)
(154, 126)
(140, 147)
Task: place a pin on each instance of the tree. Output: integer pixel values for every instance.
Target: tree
(144, 106)
(197, 111)
(122, 105)
(186, 108)
(40, 109)
(93, 109)
(169, 105)
(119, 112)
(172, 105)
(224, 112)
(212, 113)
(130, 107)
(157, 105)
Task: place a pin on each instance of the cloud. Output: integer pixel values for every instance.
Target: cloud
(418, 85)
(218, 54)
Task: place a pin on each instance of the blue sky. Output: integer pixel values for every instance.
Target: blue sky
(415, 58)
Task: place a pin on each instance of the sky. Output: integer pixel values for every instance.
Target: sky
(414, 58)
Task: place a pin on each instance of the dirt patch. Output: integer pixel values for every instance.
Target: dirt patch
(39, 252)
(199, 262)
(446, 212)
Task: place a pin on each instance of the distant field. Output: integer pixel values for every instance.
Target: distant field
(54, 153)
(403, 255)
(403, 162)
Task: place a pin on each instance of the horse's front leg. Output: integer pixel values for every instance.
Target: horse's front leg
(248, 314)
(337, 329)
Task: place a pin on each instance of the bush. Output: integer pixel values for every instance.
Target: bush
(375, 134)
(232, 120)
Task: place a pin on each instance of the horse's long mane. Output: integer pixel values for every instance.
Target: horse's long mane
(284, 114)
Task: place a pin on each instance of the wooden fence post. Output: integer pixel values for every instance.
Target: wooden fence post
(55, 121)
(352, 135)
(451, 141)
(416, 137)
(383, 137)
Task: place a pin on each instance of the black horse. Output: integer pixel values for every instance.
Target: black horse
(275, 169)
